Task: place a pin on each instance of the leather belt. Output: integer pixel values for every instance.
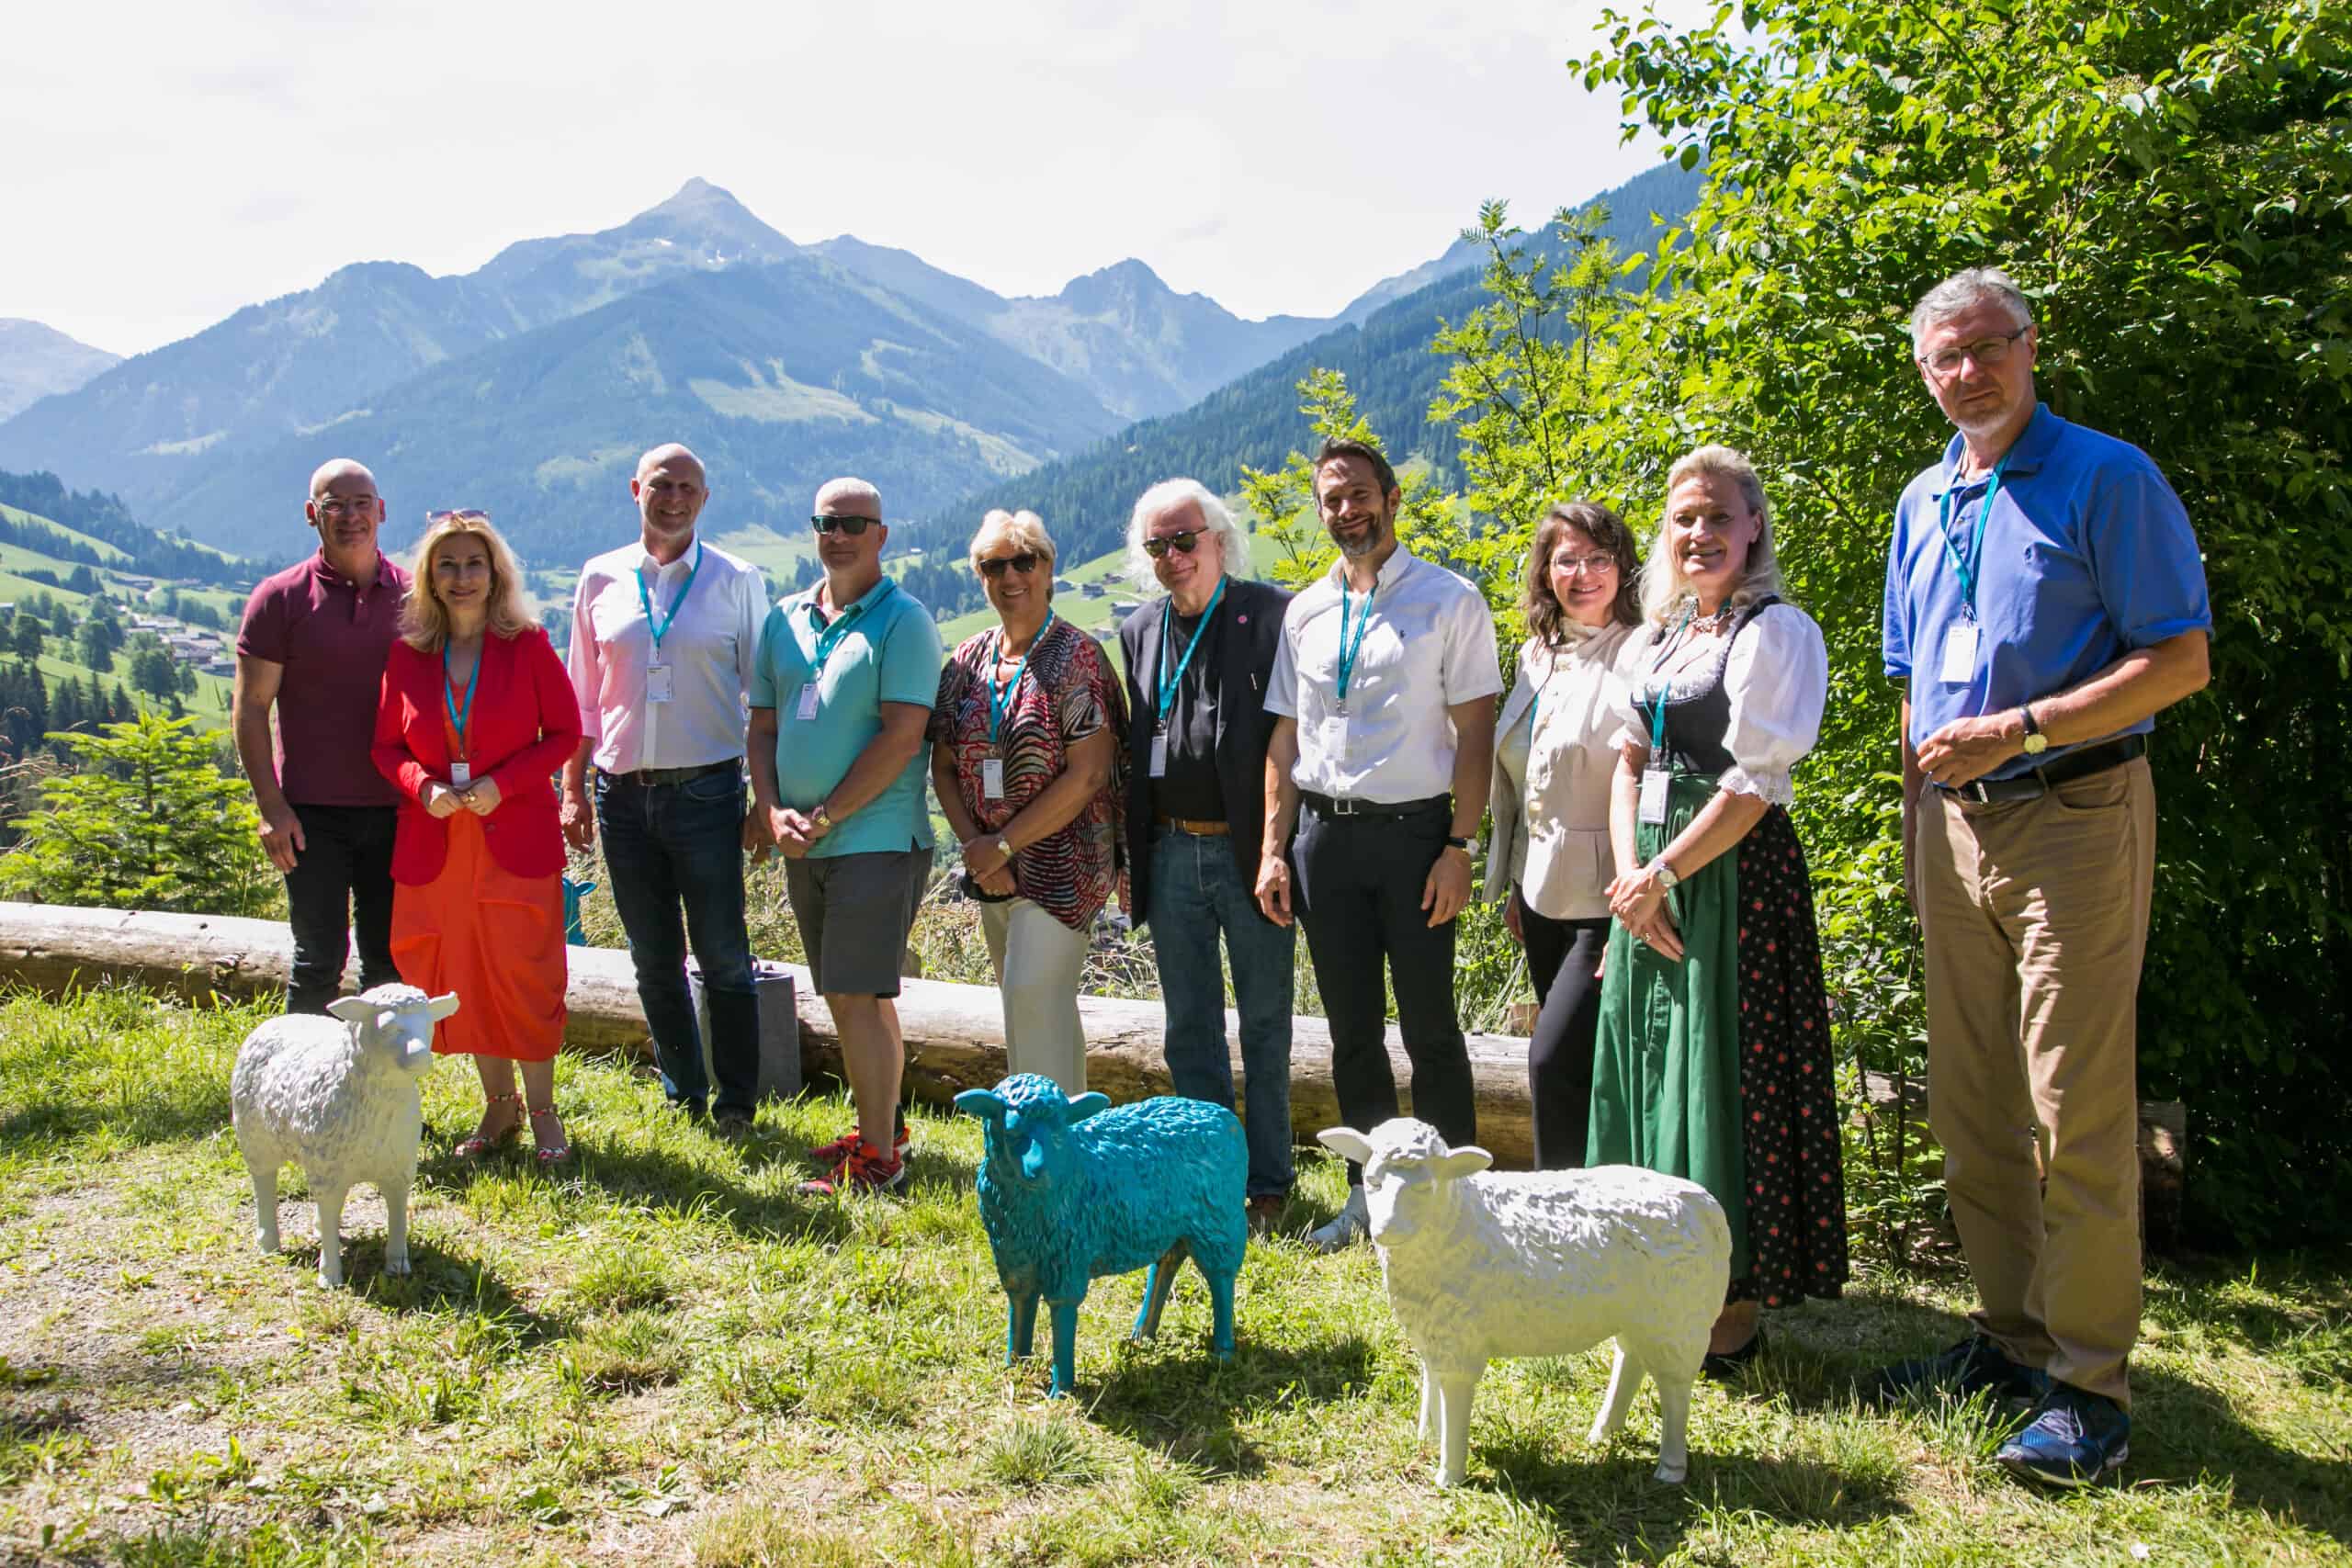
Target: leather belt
(647, 777)
(1326, 806)
(2036, 784)
(1189, 825)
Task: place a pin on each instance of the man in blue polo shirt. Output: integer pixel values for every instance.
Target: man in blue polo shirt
(839, 698)
(2045, 599)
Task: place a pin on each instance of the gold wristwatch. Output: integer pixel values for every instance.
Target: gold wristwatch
(2036, 743)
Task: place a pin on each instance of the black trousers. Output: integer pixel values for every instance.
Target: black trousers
(341, 885)
(1359, 895)
(1561, 958)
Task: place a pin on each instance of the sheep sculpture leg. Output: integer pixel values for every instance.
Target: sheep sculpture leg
(1624, 1381)
(330, 1237)
(265, 1204)
(1020, 1325)
(395, 1228)
(1064, 1348)
(1674, 1418)
(1158, 1284)
(1456, 1386)
(1221, 1282)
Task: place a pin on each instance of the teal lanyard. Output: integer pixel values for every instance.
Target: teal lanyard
(1658, 695)
(830, 636)
(461, 716)
(1168, 683)
(1000, 700)
(1966, 566)
(660, 626)
(1348, 650)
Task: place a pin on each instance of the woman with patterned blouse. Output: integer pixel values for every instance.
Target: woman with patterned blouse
(1027, 736)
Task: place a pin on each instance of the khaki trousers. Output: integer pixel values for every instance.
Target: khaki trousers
(2035, 916)
(1038, 962)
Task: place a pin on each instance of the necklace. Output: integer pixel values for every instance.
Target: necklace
(1713, 624)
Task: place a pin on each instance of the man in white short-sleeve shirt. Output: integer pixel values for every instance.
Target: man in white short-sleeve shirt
(664, 634)
(1383, 692)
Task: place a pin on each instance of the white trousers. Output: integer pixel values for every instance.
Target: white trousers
(1037, 962)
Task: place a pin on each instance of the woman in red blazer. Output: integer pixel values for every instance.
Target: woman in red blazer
(477, 713)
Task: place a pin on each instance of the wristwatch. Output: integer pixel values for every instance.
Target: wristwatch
(1462, 844)
(2036, 743)
(820, 819)
(1004, 848)
(1664, 874)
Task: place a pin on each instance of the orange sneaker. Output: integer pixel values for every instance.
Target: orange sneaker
(864, 1170)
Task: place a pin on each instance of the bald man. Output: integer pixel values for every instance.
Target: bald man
(664, 631)
(311, 649)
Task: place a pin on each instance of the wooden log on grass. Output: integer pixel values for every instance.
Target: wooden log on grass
(955, 1035)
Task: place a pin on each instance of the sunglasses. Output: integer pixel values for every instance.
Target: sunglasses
(1182, 544)
(853, 526)
(1024, 563)
(463, 514)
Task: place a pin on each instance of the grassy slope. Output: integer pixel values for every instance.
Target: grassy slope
(663, 1355)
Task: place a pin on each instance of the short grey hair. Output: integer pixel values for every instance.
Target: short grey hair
(1024, 530)
(1664, 587)
(1964, 291)
(1214, 515)
(848, 489)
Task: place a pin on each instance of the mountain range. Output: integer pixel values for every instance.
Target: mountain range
(37, 361)
(529, 385)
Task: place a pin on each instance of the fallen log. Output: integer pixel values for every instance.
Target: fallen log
(955, 1035)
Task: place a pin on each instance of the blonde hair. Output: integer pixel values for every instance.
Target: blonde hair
(424, 622)
(1025, 530)
(1663, 586)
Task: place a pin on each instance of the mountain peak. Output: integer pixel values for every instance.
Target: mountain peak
(710, 218)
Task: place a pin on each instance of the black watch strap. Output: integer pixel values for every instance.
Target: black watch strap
(1462, 844)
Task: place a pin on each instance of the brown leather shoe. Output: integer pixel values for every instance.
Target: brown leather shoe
(1266, 1212)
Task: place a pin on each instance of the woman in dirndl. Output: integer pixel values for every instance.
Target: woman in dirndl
(1713, 1058)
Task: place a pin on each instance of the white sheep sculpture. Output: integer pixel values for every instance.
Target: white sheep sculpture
(338, 1096)
(1544, 1263)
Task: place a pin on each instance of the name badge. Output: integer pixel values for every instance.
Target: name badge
(1331, 735)
(808, 709)
(461, 775)
(1653, 801)
(1959, 654)
(660, 684)
(993, 778)
(1160, 755)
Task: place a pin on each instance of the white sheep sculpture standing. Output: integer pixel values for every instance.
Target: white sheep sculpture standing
(1544, 1263)
(338, 1096)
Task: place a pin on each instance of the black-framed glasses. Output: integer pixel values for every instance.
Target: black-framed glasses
(1182, 543)
(992, 566)
(458, 514)
(853, 526)
(1987, 352)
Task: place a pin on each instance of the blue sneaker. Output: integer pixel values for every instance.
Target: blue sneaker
(2073, 1438)
(1974, 1365)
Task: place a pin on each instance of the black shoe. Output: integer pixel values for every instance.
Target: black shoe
(1974, 1365)
(1727, 1366)
(733, 1122)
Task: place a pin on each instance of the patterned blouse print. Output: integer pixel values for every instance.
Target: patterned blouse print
(1066, 693)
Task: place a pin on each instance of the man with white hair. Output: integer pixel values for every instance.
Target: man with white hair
(841, 696)
(312, 648)
(663, 633)
(1198, 663)
(2044, 600)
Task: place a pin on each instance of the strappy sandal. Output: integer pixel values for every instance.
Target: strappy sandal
(557, 1153)
(480, 1143)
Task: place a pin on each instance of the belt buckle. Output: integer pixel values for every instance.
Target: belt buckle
(1342, 806)
(1974, 790)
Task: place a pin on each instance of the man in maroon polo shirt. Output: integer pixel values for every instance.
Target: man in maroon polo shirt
(312, 646)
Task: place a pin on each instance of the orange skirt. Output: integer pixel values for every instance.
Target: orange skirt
(496, 940)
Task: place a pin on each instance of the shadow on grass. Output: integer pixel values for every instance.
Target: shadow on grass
(1187, 1404)
(442, 1282)
(656, 1178)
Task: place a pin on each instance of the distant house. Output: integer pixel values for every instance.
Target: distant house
(140, 583)
(1091, 590)
(1123, 608)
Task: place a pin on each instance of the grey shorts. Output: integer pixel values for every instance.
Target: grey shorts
(854, 912)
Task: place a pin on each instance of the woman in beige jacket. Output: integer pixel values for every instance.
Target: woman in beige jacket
(1550, 800)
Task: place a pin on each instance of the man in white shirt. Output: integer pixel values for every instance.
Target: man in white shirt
(664, 631)
(1382, 745)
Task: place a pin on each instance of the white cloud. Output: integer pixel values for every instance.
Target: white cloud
(1278, 155)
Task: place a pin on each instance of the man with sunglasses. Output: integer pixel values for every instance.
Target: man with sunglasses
(663, 633)
(2045, 599)
(312, 648)
(841, 696)
(1382, 752)
(1198, 663)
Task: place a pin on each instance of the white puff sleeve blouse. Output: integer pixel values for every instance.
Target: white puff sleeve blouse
(1777, 678)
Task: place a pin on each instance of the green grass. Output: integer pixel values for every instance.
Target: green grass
(662, 1354)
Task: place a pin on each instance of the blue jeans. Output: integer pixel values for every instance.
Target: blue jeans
(1197, 892)
(670, 844)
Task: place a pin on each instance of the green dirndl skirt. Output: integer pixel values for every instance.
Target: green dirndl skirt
(1666, 1066)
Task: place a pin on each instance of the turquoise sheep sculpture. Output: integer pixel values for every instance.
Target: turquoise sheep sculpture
(1071, 1189)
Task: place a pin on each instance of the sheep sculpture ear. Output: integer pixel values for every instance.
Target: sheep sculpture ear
(1086, 1105)
(1346, 1143)
(352, 1010)
(441, 1007)
(1467, 1160)
(984, 1103)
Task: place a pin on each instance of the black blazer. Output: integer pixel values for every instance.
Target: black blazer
(1253, 632)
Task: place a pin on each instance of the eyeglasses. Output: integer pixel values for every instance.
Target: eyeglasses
(1182, 543)
(463, 514)
(1570, 566)
(992, 566)
(1987, 352)
(853, 526)
(337, 506)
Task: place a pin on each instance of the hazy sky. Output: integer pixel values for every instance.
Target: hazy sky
(168, 163)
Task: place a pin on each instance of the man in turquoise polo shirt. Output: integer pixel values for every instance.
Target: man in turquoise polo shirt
(841, 695)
